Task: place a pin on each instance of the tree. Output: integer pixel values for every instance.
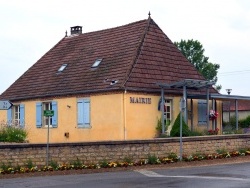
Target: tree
(194, 52)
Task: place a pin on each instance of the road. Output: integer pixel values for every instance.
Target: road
(222, 176)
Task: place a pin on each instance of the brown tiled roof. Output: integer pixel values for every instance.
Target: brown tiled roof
(138, 55)
(243, 105)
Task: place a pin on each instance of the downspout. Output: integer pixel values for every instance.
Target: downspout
(124, 115)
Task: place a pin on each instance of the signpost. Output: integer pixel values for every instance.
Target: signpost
(5, 105)
(48, 113)
(182, 108)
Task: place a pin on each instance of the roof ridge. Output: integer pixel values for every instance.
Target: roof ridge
(138, 52)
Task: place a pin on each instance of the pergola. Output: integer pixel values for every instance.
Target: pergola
(191, 84)
(186, 84)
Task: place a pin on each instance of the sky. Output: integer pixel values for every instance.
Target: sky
(28, 29)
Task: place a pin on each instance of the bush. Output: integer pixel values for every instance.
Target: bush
(152, 159)
(159, 125)
(244, 123)
(175, 132)
(12, 134)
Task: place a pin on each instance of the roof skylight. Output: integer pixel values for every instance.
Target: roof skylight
(96, 63)
(62, 67)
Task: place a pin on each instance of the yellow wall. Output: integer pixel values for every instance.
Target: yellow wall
(113, 117)
(106, 120)
(203, 127)
(141, 119)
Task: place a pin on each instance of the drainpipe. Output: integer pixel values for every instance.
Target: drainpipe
(124, 115)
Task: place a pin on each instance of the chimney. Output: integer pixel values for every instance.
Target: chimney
(76, 30)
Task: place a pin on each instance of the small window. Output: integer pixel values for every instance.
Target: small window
(47, 121)
(62, 67)
(168, 111)
(15, 116)
(44, 121)
(96, 63)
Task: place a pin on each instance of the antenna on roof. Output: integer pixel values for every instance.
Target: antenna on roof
(149, 14)
(66, 33)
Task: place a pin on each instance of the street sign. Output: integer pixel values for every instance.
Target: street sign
(5, 105)
(48, 113)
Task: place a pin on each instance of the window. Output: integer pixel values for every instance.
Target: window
(83, 113)
(202, 112)
(43, 121)
(96, 63)
(47, 121)
(15, 115)
(62, 67)
(168, 111)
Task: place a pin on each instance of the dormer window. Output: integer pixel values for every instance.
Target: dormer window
(96, 63)
(62, 67)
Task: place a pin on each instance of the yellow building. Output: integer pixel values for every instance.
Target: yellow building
(104, 85)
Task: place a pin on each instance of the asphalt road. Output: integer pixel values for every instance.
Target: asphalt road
(221, 176)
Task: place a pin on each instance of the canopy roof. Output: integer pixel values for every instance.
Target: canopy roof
(189, 83)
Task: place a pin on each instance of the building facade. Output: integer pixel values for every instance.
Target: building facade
(102, 85)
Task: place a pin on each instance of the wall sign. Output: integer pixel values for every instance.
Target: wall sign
(140, 100)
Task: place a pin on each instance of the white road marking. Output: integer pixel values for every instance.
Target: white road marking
(149, 173)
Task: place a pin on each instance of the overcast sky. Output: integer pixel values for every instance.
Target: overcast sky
(28, 29)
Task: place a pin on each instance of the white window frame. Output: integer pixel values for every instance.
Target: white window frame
(168, 110)
(47, 106)
(16, 115)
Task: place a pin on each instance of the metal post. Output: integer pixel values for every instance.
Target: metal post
(229, 113)
(181, 135)
(162, 111)
(213, 122)
(192, 119)
(185, 98)
(47, 151)
(207, 108)
(182, 108)
(236, 113)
